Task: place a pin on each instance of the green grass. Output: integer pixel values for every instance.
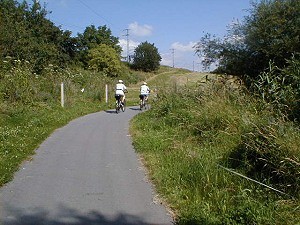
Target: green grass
(190, 131)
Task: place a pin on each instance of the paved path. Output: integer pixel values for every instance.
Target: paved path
(85, 173)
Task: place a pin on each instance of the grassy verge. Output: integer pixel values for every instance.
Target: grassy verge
(192, 130)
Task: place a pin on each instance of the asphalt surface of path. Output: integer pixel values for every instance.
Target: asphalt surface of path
(85, 173)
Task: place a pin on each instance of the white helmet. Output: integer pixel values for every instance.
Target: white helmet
(120, 81)
(144, 83)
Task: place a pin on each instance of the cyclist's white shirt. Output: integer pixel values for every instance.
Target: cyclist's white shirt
(120, 88)
(144, 90)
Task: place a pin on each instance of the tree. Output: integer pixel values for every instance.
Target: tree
(270, 33)
(105, 58)
(26, 34)
(92, 37)
(273, 31)
(146, 57)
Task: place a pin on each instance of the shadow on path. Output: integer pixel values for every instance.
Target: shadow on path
(69, 216)
(137, 108)
(113, 111)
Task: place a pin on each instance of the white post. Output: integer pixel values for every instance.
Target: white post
(62, 94)
(106, 93)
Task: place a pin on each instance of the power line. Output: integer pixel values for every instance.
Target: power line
(95, 12)
(103, 18)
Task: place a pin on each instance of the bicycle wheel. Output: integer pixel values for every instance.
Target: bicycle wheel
(123, 105)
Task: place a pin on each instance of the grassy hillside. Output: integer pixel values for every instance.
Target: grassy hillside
(198, 140)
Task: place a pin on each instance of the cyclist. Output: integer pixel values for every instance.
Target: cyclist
(144, 91)
(120, 91)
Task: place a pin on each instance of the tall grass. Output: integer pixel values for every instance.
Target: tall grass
(281, 88)
(192, 130)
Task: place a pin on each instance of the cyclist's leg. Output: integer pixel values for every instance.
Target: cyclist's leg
(122, 98)
(117, 97)
(117, 103)
(141, 101)
(144, 99)
(141, 98)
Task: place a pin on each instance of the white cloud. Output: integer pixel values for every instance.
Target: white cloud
(184, 56)
(132, 46)
(184, 48)
(140, 30)
(166, 59)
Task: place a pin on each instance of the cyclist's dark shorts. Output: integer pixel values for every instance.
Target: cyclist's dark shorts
(142, 96)
(118, 97)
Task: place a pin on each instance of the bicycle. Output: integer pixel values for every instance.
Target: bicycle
(143, 102)
(119, 104)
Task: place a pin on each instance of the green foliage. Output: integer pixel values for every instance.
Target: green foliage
(26, 34)
(92, 37)
(191, 130)
(272, 31)
(105, 58)
(269, 33)
(146, 57)
(280, 87)
(20, 85)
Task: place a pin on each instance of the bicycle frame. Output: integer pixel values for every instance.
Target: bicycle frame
(143, 101)
(119, 104)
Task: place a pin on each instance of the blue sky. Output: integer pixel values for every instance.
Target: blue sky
(169, 24)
